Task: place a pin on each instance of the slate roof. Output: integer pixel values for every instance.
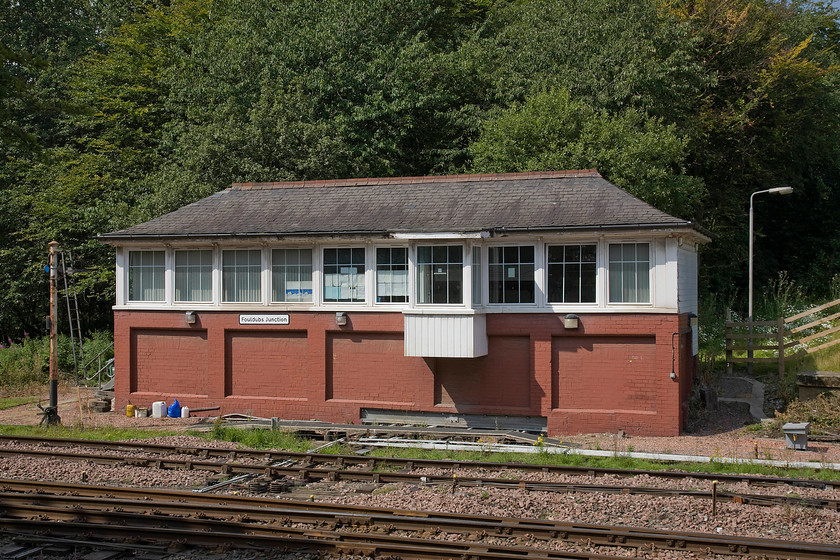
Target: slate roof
(561, 200)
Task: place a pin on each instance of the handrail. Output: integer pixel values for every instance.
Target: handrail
(95, 358)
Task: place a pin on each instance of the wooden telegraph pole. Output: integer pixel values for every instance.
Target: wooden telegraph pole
(50, 414)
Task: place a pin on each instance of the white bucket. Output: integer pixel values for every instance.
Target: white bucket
(159, 409)
(185, 412)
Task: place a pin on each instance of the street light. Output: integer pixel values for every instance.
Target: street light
(777, 190)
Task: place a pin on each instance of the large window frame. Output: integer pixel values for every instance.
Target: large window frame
(291, 275)
(392, 274)
(571, 273)
(511, 274)
(629, 269)
(343, 271)
(193, 269)
(241, 275)
(440, 274)
(146, 276)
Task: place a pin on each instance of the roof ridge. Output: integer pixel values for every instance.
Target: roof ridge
(374, 181)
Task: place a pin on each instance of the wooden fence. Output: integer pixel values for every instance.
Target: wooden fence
(745, 337)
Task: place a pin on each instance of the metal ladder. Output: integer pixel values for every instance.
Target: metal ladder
(71, 297)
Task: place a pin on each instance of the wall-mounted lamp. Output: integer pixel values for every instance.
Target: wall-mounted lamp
(571, 321)
(692, 319)
(189, 317)
(340, 318)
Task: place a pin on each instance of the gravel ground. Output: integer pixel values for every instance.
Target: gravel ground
(665, 513)
(722, 436)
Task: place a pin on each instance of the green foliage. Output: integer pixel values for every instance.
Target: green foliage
(12, 402)
(24, 363)
(95, 434)
(551, 131)
(258, 438)
(117, 111)
(607, 462)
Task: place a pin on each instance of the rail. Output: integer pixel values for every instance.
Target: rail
(743, 338)
(161, 514)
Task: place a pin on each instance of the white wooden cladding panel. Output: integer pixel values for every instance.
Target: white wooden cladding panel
(445, 336)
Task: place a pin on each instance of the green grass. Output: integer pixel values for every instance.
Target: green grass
(11, 402)
(608, 462)
(95, 434)
(258, 438)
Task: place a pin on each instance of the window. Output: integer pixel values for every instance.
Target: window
(146, 275)
(571, 273)
(291, 275)
(391, 274)
(476, 275)
(344, 274)
(511, 274)
(629, 273)
(241, 275)
(194, 275)
(440, 274)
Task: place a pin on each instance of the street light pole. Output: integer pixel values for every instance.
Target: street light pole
(776, 190)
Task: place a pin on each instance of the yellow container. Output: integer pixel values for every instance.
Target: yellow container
(129, 410)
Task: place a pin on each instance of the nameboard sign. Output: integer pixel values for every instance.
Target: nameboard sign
(263, 319)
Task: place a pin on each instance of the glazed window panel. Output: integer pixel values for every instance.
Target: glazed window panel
(511, 274)
(440, 274)
(572, 273)
(146, 273)
(344, 274)
(291, 275)
(629, 269)
(241, 276)
(194, 275)
(476, 276)
(391, 274)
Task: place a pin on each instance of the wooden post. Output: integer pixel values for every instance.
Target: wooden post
(728, 331)
(51, 413)
(780, 339)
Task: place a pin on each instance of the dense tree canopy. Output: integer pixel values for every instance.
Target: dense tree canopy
(115, 111)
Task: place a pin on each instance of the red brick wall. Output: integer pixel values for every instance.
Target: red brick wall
(610, 374)
(266, 364)
(371, 368)
(501, 380)
(169, 361)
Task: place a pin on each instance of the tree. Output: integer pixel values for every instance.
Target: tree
(552, 131)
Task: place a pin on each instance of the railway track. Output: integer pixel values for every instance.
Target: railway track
(299, 468)
(171, 516)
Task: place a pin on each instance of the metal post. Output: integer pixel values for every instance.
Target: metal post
(776, 190)
(750, 312)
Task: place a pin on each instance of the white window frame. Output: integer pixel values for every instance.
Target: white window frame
(597, 280)
(262, 276)
(375, 271)
(166, 276)
(365, 274)
(650, 276)
(417, 271)
(312, 268)
(535, 247)
(175, 299)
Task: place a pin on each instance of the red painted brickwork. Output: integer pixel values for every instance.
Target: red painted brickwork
(266, 364)
(501, 380)
(371, 368)
(169, 360)
(610, 374)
